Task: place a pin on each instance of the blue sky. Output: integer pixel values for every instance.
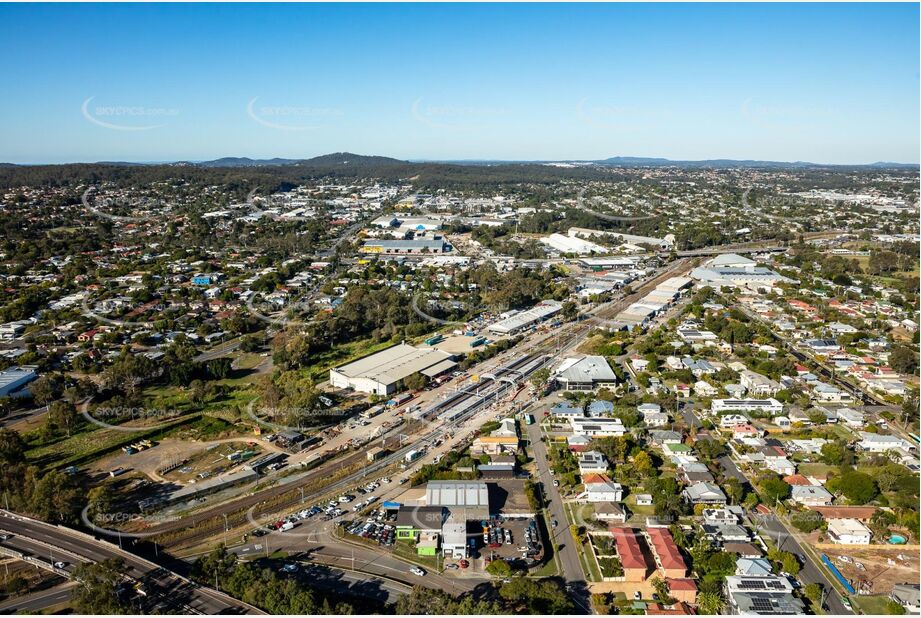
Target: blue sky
(835, 83)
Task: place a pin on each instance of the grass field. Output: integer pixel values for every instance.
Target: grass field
(320, 364)
(871, 604)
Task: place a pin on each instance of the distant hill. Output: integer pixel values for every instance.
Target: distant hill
(350, 159)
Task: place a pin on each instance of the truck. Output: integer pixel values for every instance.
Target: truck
(412, 456)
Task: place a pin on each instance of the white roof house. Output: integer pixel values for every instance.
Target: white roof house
(704, 493)
(877, 443)
(599, 488)
(597, 427)
(810, 495)
(848, 532)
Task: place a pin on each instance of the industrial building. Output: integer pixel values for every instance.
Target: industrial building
(382, 372)
(569, 244)
(586, 374)
(14, 380)
(517, 322)
(431, 246)
(735, 271)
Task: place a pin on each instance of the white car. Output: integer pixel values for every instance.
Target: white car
(417, 571)
(60, 565)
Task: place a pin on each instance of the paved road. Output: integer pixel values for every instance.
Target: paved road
(772, 527)
(568, 555)
(165, 589)
(35, 602)
(810, 573)
(222, 350)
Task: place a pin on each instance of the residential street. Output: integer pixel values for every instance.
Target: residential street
(776, 530)
(568, 555)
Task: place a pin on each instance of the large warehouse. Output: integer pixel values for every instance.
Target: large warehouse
(381, 373)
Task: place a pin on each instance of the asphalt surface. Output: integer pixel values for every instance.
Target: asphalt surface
(810, 573)
(35, 602)
(567, 553)
(165, 589)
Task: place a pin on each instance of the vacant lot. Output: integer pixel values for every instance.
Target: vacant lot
(883, 566)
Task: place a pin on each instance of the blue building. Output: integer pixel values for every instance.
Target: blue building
(600, 407)
(14, 379)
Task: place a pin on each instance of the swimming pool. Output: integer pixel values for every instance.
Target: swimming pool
(896, 539)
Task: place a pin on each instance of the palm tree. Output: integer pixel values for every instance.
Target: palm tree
(709, 603)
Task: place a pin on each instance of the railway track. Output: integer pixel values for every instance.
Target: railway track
(211, 522)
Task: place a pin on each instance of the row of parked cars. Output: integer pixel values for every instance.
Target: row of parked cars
(494, 536)
(384, 534)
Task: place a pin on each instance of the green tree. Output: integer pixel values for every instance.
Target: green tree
(97, 583)
(499, 568)
(790, 564)
(710, 603)
(837, 454)
(773, 489)
(813, 592)
(857, 487)
(62, 416)
(415, 382)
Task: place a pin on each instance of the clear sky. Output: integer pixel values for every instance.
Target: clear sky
(831, 83)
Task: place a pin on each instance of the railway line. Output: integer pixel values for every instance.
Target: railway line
(448, 413)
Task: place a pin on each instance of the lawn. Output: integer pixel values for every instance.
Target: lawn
(320, 364)
(873, 604)
(407, 551)
(808, 469)
(90, 444)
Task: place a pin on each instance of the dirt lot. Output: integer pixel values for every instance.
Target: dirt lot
(169, 450)
(878, 573)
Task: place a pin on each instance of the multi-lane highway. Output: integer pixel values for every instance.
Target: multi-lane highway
(165, 590)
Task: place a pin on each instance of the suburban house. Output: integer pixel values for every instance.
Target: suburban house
(761, 595)
(599, 488)
(597, 427)
(704, 493)
(848, 532)
(592, 462)
(908, 596)
(809, 495)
